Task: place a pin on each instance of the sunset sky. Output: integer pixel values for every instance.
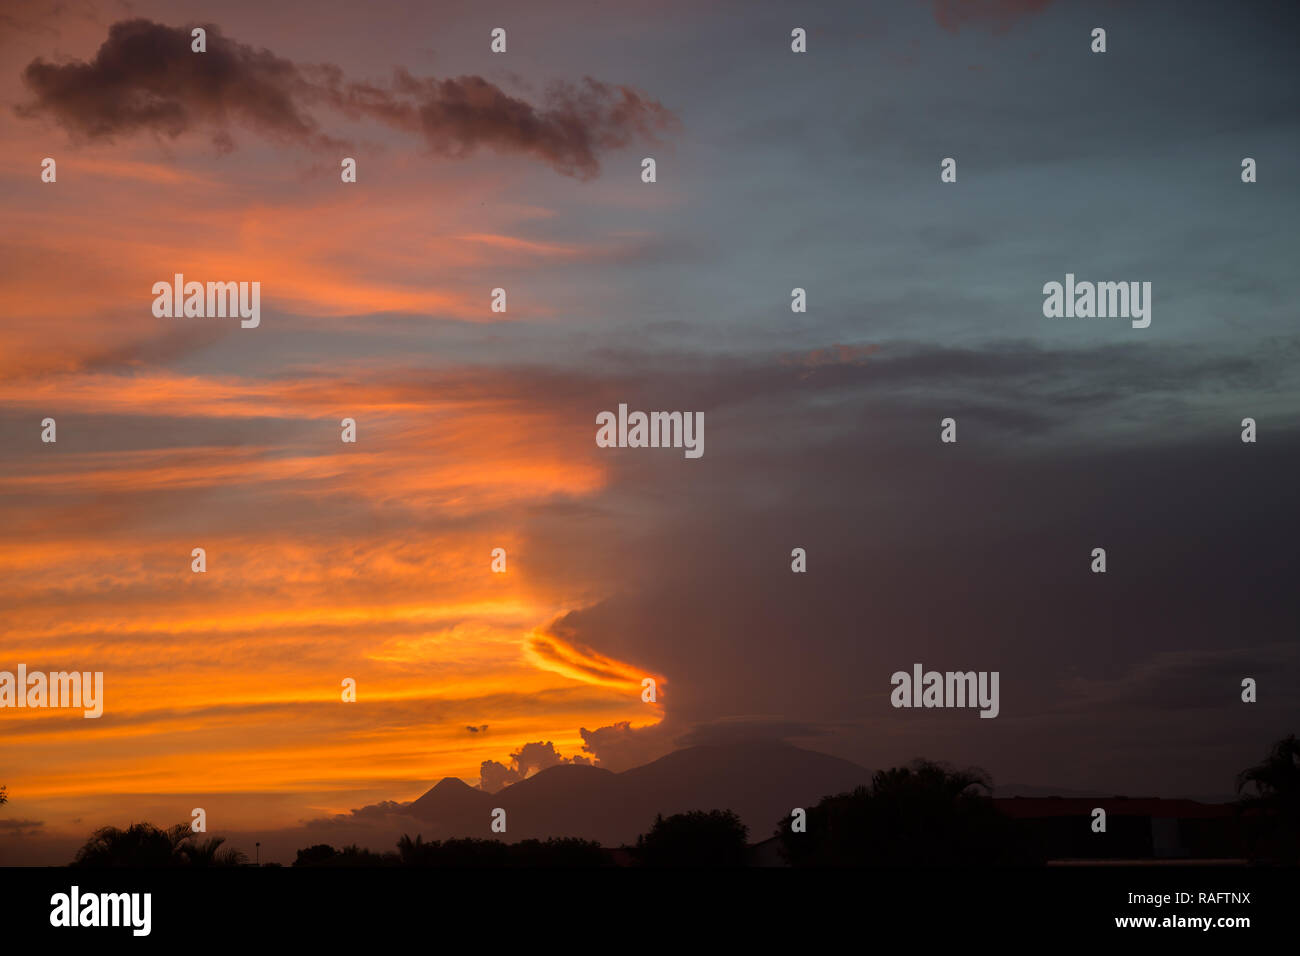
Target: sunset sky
(475, 430)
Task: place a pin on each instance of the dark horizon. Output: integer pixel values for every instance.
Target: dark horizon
(568, 802)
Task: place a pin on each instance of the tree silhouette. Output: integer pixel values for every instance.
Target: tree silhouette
(925, 814)
(1272, 809)
(567, 851)
(4, 797)
(143, 844)
(698, 838)
(318, 855)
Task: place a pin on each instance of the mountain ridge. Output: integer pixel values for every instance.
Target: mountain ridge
(761, 781)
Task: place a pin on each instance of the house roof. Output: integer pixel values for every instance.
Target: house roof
(1035, 807)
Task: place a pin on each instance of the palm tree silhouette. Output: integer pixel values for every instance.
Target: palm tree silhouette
(414, 851)
(1276, 777)
(209, 853)
(1273, 808)
(143, 844)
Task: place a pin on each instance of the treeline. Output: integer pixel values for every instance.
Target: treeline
(462, 853)
(698, 838)
(925, 814)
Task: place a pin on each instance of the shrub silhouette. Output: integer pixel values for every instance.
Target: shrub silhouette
(698, 838)
(476, 853)
(317, 855)
(322, 854)
(925, 814)
(462, 853)
(568, 851)
(468, 852)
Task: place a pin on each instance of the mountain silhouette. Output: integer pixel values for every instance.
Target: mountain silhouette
(761, 781)
(452, 803)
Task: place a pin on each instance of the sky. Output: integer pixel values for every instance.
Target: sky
(522, 170)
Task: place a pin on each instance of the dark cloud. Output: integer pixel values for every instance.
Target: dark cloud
(457, 116)
(968, 556)
(621, 746)
(18, 828)
(581, 121)
(145, 78)
(1193, 680)
(380, 812)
